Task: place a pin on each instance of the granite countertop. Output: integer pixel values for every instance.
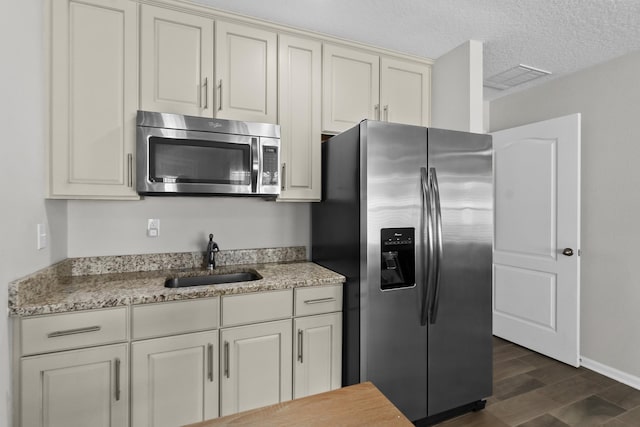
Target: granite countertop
(65, 287)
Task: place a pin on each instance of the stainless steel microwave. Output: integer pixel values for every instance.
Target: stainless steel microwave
(197, 156)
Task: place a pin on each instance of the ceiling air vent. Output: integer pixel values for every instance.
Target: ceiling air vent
(514, 76)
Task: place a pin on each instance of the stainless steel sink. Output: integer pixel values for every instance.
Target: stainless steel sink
(213, 279)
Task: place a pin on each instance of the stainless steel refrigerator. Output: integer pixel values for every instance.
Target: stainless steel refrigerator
(407, 216)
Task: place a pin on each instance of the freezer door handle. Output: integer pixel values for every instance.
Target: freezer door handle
(435, 193)
(426, 261)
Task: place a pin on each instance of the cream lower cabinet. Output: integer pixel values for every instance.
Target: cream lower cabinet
(255, 350)
(299, 86)
(175, 380)
(271, 346)
(256, 366)
(318, 354)
(94, 98)
(76, 388)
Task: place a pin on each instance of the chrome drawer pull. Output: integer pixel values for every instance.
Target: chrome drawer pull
(300, 337)
(226, 359)
(210, 362)
(130, 170)
(206, 93)
(117, 362)
(319, 300)
(73, 331)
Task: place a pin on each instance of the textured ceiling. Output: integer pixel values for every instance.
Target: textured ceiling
(561, 36)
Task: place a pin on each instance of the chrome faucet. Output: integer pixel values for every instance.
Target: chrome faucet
(212, 248)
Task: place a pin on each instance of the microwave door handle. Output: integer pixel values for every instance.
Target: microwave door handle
(255, 165)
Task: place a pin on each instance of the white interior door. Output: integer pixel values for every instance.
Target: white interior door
(536, 263)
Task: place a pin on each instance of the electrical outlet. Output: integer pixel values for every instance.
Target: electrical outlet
(153, 228)
(42, 237)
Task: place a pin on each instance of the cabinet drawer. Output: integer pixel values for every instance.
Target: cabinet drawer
(256, 307)
(73, 330)
(170, 318)
(323, 299)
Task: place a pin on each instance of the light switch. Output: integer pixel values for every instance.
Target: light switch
(153, 227)
(42, 237)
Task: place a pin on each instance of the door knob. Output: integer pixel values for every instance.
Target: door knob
(567, 251)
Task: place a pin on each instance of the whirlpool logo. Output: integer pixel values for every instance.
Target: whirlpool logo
(214, 125)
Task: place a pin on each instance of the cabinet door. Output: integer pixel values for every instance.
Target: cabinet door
(255, 366)
(76, 388)
(176, 62)
(299, 106)
(94, 97)
(175, 380)
(351, 82)
(246, 73)
(405, 92)
(318, 357)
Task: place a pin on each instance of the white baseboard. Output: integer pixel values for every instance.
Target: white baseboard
(623, 377)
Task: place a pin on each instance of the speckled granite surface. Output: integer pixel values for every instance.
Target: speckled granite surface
(89, 283)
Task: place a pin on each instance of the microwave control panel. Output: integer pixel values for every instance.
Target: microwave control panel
(269, 165)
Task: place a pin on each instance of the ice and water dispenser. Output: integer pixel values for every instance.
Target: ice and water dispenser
(397, 258)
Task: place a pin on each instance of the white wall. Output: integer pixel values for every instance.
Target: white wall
(22, 167)
(119, 227)
(608, 96)
(456, 89)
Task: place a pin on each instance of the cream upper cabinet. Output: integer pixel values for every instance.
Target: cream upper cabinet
(318, 354)
(76, 388)
(299, 86)
(256, 366)
(359, 85)
(174, 379)
(246, 73)
(94, 98)
(351, 81)
(405, 92)
(176, 62)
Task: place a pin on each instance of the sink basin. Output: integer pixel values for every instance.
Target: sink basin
(213, 279)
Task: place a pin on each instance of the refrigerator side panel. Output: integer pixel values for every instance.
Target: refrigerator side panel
(393, 343)
(460, 342)
(335, 237)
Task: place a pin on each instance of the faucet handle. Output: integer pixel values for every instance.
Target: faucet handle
(213, 246)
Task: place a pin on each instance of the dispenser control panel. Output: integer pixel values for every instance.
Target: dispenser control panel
(397, 258)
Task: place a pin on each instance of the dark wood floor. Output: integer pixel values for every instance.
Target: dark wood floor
(531, 390)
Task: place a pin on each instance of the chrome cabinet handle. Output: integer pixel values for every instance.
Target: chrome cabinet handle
(386, 113)
(220, 95)
(206, 93)
(567, 252)
(130, 170)
(435, 191)
(376, 109)
(300, 335)
(117, 363)
(319, 300)
(73, 331)
(284, 175)
(210, 362)
(226, 359)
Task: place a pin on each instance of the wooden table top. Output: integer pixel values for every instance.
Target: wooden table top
(356, 405)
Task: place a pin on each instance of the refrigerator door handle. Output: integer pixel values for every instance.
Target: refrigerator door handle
(435, 192)
(426, 261)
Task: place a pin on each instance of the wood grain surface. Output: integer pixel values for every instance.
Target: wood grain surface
(356, 405)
